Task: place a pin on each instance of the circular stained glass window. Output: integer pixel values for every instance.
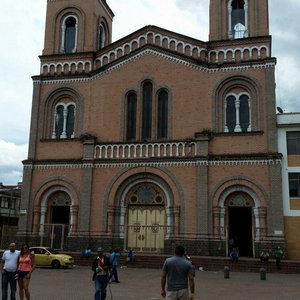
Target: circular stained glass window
(133, 199)
(158, 199)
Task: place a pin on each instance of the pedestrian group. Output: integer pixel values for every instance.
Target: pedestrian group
(16, 266)
(177, 279)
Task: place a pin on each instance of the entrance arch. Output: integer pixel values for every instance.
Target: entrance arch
(59, 208)
(240, 223)
(56, 216)
(240, 207)
(146, 218)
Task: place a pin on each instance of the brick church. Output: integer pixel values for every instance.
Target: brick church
(156, 138)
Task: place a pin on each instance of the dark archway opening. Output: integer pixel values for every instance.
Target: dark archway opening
(240, 230)
(60, 220)
(60, 214)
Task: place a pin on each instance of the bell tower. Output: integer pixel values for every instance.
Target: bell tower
(236, 19)
(77, 26)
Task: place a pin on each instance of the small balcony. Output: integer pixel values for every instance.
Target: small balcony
(179, 149)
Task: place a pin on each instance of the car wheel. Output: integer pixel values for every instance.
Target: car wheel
(55, 264)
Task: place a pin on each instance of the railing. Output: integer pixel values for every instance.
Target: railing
(145, 150)
(9, 212)
(260, 233)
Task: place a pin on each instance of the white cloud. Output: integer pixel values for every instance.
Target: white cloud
(191, 20)
(11, 156)
(287, 82)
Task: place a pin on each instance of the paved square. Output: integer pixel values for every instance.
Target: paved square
(144, 284)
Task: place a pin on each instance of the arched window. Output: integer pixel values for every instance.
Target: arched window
(237, 110)
(238, 18)
(141, 112)
(147, 111)
(162, 115)
(59, 120)
(64, 121)
(244, 113)
(230, 114)
(70, 121)
(131, 116)
(69, 35)
(102, 36)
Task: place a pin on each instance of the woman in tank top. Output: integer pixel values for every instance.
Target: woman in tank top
(26, 265)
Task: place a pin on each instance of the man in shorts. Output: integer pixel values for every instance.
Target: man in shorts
(178, 271)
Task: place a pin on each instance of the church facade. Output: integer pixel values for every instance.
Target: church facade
(155, 139)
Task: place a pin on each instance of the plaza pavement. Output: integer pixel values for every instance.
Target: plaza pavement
(144, 284)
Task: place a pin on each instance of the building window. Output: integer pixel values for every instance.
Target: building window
(70, 121)
(69, 35)
(131, 116)
(237, 18)
(64, 121)
(230, 114)
(293, 142)
(244, 113)
(147, 118)
(4, 202)
(147, 111)
(294, 184)
(237, 113)
(13, 204)
(59, 121)
(162, 115)
(102, 36)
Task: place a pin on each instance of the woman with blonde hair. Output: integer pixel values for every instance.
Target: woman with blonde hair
(26, 265)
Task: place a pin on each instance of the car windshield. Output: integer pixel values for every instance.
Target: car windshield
(52, 251)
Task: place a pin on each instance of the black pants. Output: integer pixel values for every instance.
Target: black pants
(278, 263)
(8, 278)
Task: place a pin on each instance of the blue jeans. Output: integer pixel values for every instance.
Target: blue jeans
(9, 278)
(114, 273)
(100, 287)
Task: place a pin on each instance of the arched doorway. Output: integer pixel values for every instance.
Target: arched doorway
(240, 222)
(58, 219)
(146, 218)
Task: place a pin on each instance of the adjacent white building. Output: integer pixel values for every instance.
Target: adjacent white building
(289, 145)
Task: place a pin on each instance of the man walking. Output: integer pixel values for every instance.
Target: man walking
(101, 266)
(114, 257)
(9, 264)
(179, 272)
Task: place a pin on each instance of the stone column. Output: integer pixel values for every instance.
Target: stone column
(176, 210)
(42, 221)
(237, 110)
(262, 216)
(222, 223)
(74, 219)
(88, 142)
(122, 228)
(204, 225)
(110, 219)
(36, 219)
(204, 209)
(216, 217)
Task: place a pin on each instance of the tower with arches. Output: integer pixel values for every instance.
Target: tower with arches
(156, 138)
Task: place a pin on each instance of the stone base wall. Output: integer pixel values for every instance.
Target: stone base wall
(200, 247)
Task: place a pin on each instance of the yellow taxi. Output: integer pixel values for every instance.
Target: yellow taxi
(46, 256)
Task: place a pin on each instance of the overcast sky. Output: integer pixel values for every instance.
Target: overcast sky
(22, 24)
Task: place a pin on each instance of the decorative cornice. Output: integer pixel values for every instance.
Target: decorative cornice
(162, 55)
(168, 163)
